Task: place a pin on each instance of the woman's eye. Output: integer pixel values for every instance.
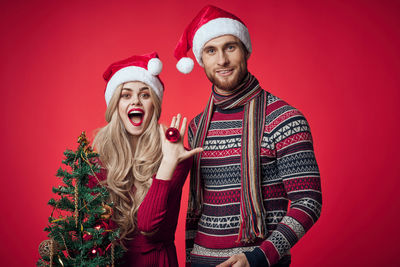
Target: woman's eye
(125, 96)
(145, 95)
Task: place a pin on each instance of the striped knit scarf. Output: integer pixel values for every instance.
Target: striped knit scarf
(252, 213)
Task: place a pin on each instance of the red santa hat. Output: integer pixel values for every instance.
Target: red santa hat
(211, 22)
(144, 68)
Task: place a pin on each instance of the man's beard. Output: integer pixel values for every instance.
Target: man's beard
(231, 85)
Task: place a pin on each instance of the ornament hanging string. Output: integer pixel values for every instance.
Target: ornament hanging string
(85, 206)
(112, 254)
(91, 169)
(76, 203)
(51, 251)
(66, 248)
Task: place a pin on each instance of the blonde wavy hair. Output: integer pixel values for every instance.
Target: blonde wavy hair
(126, 164)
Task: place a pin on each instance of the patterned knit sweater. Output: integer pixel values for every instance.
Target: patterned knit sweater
(290, 173)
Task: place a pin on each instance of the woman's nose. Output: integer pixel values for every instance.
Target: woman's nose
(135, 100)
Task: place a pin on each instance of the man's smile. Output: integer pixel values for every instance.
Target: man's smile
(224, 72)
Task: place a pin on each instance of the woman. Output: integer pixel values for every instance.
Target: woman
(145, 171)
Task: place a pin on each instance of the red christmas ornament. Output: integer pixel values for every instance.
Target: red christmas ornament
(96, 251)
(74, 235)
(87, 236)
(102, 225)
(172, 134)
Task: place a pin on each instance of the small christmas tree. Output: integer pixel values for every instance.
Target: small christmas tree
(80, 228)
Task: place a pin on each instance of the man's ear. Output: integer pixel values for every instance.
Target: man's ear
(246, 52)
(247, 55)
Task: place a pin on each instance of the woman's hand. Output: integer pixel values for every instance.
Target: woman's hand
(174, 153)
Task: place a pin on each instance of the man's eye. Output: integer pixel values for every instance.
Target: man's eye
(231, 47)
(210, 51)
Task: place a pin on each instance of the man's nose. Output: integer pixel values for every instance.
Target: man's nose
(223, 59)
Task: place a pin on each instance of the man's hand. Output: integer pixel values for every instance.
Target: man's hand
(238, 260)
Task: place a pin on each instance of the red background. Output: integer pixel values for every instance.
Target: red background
(336, 61)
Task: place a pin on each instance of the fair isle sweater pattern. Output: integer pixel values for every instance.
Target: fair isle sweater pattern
(289, 173)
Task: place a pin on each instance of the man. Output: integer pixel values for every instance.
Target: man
(258, 155)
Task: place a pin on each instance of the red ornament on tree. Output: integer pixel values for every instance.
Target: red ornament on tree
(172, 134)
(102, 225)
(87, 236)
(74, 235)
(96, 251)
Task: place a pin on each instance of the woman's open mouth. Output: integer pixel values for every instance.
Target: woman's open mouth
(136, 116)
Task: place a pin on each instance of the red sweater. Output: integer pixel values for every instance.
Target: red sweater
(158, 213)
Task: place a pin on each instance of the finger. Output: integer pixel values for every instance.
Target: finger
(224, 264)
(227, 263)
(183, 127)
(240, 260)
(178, 121)
(191, 153)
(173, 121)
(195, 151)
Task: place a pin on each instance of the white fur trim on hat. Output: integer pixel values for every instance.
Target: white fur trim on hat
(185, 65)
(154, 66)
(218, 27)
(131, 74)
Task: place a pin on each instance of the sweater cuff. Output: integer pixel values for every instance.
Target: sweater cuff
(160, 181)
(256, 258)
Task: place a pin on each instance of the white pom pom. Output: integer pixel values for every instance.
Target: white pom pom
(154, 66)
(185, 65)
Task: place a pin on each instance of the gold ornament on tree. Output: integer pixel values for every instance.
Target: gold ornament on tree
(107, 212)
(48, 247)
